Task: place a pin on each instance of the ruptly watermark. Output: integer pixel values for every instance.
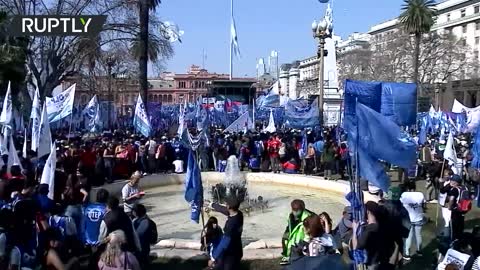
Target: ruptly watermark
(57, 25)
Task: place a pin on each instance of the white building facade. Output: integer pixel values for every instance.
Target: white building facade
(458, 17)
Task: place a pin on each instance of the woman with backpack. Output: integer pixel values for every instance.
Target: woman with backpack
(115, 257)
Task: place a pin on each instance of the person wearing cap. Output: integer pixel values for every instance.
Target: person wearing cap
(458, 217)
(131, 194)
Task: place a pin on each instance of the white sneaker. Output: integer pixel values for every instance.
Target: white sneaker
(433, 201)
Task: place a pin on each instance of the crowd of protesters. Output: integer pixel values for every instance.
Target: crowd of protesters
(116, 233)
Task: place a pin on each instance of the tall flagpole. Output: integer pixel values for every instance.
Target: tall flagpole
(231, 40)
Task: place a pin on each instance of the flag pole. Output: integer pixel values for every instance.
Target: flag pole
(231, 40)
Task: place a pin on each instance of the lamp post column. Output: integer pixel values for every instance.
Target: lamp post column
(321, 56)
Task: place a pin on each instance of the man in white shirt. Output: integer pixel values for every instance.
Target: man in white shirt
(414, 202)
(178, 166)
(131, 194)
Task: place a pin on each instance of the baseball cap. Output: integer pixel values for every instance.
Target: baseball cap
(456, 178)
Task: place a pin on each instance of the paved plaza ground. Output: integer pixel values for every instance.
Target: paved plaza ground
(171, 213)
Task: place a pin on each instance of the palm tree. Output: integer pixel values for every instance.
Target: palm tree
(418, 17)
(157, 47)
(144, 6)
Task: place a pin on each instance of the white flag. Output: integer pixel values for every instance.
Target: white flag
(140, 119)
(6, 116)
(271, 124)
(45, 137)
(48, 173)
(234, 38)
(450, 153)
(61, 105)
(24, 150)
(13, 158)
(181, 119)
(35, 116)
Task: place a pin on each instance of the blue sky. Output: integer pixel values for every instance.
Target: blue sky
(262, 26)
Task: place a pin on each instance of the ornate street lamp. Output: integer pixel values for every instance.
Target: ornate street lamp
(321, 31)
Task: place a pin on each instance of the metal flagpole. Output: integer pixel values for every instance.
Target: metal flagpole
(231, 40)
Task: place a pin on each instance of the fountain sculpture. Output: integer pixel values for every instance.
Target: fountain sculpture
(235, 185)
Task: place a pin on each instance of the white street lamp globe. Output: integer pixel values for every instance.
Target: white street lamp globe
(322, 26)
(314, 26)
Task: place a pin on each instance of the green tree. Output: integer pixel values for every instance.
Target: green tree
(13, 54)
(418, 17)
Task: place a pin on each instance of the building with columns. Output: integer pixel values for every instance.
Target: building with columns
(168, 88)
(462, 19)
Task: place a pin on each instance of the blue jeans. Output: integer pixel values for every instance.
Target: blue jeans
(415, 231)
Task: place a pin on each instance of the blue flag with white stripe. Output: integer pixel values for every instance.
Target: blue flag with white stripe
(61, 105)
(141, 121)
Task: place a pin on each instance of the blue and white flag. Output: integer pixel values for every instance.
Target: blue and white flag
(92, 112)
(302, 114)
(450, 153)
(141, 121)
(61, 105)
(238, 125)
(45, 136)
(194, 187)
(6, 116)
(234, 38)
(48, 173)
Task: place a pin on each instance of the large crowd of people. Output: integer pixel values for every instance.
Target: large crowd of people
(72, 229)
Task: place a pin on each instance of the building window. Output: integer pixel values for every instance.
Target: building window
(170, 98)
(464, 29)
(477, 9)
(477, 26)
(182, 84)
(448, 17)
(464, 42)
(477, 40)
(463, 13)
(475, 55)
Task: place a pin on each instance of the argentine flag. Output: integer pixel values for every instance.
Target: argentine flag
(140, 119)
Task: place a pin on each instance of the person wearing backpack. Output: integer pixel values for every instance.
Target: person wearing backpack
(459, 202)
(146, 229)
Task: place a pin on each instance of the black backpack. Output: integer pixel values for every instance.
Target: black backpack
(152, 227)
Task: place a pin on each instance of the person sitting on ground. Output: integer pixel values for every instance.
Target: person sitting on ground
(146, 231)
(321, 242)
(294, 232)
(211, 235)
(290, 166)
(115, 257)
